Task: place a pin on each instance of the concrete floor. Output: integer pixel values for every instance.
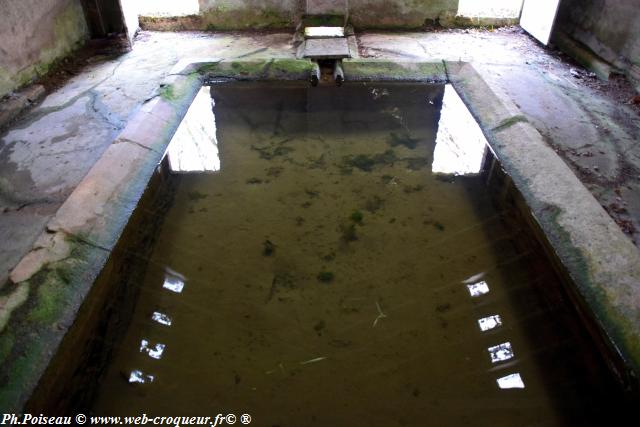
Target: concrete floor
(47, 151)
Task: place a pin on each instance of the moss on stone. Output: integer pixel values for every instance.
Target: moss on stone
(25, 371)
(507, 123)
(267, 69)
(7, 341)
(370, 70)
(292, 67)
(181, 91)
(52, 291)
(167, 92)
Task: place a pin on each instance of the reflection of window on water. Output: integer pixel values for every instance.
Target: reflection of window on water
(139, 377)
(161, 318)
(477, 289)
(194, 147)
(460, 144)
(489, 322)
(511, 381)
(154, 352)
(173, 281)
(501, 352)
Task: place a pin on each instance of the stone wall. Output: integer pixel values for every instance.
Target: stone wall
(249, 14)
(611, 28)
(256, 14)
(401, 14)
(33, 35)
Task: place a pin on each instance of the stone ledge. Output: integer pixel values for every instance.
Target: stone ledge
(602, 262)
(51, 282)
(360, 69)
(268, 69)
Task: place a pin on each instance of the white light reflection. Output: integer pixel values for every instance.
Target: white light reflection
(194, 146)
(173, 281)
(474, 278)
(154, 352)
(490, 8)
(167, 7)
(460, 144)
(477, 289)
(511, 381)
(489, 322)
(140, 377)
(501, 352)
(161, 318)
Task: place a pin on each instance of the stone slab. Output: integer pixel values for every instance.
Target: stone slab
(357, 69)
(326, 48)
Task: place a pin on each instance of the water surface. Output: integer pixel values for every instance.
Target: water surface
(324, 275)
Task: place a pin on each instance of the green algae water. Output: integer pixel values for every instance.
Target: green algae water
(342, 264)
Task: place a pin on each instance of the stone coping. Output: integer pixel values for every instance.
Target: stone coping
(46, 289)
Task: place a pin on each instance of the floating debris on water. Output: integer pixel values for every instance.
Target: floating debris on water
(381, 315)
(268, 248)
(316, 360)
(387, 179)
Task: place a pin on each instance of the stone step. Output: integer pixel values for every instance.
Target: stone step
(328, 48)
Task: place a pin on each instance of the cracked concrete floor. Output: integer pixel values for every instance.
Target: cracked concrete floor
(45, 154)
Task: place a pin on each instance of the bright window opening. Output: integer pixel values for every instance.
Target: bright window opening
(167, 7)
(490, 8)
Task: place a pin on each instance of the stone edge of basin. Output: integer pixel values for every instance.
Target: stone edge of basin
(48, 286)
(601, 260)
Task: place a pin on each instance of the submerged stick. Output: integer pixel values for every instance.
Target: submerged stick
(317, 359)
(381, 315)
